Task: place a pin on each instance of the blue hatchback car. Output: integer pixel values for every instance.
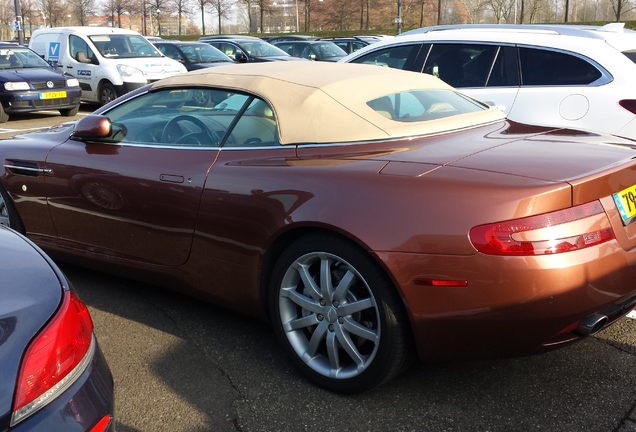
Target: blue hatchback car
(53, 374)
(28, 83)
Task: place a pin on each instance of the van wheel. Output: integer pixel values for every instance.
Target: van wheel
(107, 93)
(69, 112)
(4, 117)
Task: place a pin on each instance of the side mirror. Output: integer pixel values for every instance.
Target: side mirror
(92, 127)
(241, 58)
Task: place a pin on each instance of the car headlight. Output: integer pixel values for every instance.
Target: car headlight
(10, 86)
(72, 82)
(128, 71)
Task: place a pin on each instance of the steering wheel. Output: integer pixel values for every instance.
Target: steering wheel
(172, 133)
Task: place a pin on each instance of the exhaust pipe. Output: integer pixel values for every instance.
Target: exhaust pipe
(592, 324)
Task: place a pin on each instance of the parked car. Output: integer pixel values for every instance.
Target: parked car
(30, 84)
(354, 43)
(106, 61)
(369, 213)
(54, 376)
(193, 55)
(274, 39)
(312, 50)
(247, 49)
(572, 76)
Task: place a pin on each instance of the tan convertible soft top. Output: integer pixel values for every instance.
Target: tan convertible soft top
(317, 102)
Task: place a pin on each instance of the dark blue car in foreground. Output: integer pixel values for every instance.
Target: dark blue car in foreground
(53, 376)
(28, 83)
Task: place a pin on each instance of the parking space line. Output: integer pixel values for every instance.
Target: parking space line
(632, 314)
(22, 129)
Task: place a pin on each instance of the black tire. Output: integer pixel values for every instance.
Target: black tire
(346, 338)
(69, 112)
(8, 214)
(107, 93)
(4, 117)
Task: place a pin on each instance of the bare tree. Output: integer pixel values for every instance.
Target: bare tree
(501, 9)
(80, 10)
(29, 9)
(7, 15)
(248, 4)
(263, 8)
(620, 7)
(220, 8)
(182, 7)
(308, 8)
(112, 8)
(535, 8)
(472, 9)
(54, 11)
(341, 15)
(201, 4)
(158, 8)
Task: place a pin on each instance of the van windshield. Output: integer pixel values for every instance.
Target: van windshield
(123, 46)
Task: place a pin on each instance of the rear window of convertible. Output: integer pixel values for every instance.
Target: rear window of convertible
(424, 105)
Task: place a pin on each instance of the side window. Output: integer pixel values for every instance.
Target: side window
(80, 50)
(505, 71)
(192, 53)
(170, 51)
(552, 68)
(287, 47)
(356, 46)
(193, 117)
(398, 57)
(424, 105)
(461, 65)
(255, 128)
(227, 49)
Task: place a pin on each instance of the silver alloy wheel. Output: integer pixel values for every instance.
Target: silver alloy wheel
(4, 212)
(329, 315)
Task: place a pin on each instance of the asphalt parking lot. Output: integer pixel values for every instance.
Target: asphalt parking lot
(180, 364)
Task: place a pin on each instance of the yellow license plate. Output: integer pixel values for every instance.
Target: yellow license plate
(626, 202)
(53, 95)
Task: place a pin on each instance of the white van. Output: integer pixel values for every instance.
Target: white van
(107, 62)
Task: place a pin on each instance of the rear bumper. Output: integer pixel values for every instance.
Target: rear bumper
(511, 306)
(82, 406)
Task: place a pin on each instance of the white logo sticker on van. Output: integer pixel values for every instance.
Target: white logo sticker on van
(83, 72)
(54, 52)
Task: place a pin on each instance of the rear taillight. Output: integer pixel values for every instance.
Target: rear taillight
(560, 231)
(629, 105)
(55, 358)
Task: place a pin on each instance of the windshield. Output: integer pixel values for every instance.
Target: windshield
(328, 49)
(261, 49)
(17, 57)
(124, 46)
(204, 53)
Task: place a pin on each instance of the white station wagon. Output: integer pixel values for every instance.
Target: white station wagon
(556, 75)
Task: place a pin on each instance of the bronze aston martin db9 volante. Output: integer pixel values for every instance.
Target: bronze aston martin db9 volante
(370, 214)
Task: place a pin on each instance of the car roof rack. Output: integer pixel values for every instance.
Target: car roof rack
(561, 29)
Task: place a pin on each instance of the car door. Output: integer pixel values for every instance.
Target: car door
(136, 194)
(82, 64)
(486, 72)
